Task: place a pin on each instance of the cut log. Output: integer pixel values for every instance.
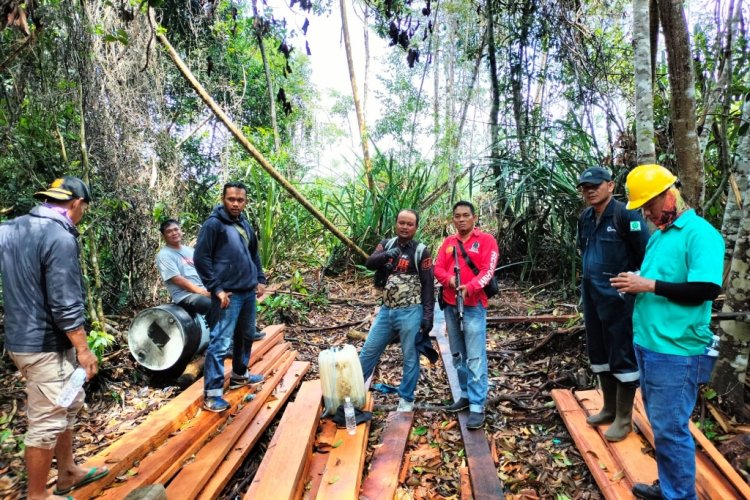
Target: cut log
(710, 480)
(639, 467)
(604, 468)
(382, 479)
(282, 469)
(323, 443)
(255, 430)
(484, 481)
(161, 465)
(343, 474)
(123, 453)
(193, 476)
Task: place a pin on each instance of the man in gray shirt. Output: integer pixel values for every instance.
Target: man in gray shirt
(175, 264)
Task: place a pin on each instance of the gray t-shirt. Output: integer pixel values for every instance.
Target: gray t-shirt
(171, 263)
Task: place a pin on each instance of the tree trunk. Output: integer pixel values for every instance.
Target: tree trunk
(644, 91)
(681, 81)
(355, 95)
(494, 111)
(258, 24)
(731, 368)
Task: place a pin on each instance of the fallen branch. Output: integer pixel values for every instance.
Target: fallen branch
(546, 340)
(543, 318)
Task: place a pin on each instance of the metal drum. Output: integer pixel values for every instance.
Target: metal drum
(161, 336)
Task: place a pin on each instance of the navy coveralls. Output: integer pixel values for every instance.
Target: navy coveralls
(608, 317)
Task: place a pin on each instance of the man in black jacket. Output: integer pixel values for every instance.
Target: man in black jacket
(408, 304)
(612, 240)
(226, 258)
(44, 328)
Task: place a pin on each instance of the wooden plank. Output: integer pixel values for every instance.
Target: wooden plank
(343, 475)
(485, 483)
(603, 466)
(639, 467)
(193, 476)
(282, 467)
(317, 464)
(382, 479)
(710, 483)
(252, 434)
(133, 446)
(465, 493)
(721, 463)
(163, 463)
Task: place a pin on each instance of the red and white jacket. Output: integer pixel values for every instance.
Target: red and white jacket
(482, 249)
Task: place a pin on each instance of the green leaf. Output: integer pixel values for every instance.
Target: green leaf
(337, 443)
(333, 479)
(420, 431)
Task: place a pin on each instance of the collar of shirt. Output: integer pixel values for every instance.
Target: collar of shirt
(58, 209)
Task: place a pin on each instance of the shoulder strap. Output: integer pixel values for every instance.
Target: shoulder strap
(389, 243)
(620, 220)
(418, 254)
(471, 265)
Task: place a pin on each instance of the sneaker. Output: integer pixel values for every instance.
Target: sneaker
(649, 491)
(259, 335)
(459, 405)
(215, 404)
(476, 420)
(237, 382)
(404, 405)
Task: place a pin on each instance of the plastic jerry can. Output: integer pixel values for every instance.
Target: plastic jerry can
(341, 377)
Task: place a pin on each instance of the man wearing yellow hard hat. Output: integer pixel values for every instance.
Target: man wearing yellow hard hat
(680, 276)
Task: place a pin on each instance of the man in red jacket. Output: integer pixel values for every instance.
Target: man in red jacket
(468, 345)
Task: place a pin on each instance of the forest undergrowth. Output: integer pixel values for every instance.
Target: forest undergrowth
(533, 451)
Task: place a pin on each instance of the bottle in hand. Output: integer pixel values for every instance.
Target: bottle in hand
(72, 388)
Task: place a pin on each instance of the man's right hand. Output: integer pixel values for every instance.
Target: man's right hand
(224, 298)
(393, 253)
(88, 361)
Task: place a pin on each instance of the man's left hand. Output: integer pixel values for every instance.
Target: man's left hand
(260, 290)
(426, 325)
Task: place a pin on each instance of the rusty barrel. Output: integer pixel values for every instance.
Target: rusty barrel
(159, 337)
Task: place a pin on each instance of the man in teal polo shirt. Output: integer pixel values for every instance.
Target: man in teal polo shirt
(680, 276)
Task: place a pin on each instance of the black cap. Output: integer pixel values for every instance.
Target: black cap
(594, 175)
(64, 189)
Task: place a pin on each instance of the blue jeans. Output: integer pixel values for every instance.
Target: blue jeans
(401, 321)
(669, 386)
(469, 353)
(236, 322)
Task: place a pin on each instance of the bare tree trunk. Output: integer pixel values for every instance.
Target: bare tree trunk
(644, 91)
(366, 82)
(494, 111)
(681, 81)
(731, 368)
(355, 95)
(94, 296)
(259, 26)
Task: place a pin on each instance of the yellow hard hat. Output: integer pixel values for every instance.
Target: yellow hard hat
(645, 182)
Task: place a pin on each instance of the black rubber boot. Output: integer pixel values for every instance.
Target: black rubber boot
(608, 384)
(623, 423)
(647, 491)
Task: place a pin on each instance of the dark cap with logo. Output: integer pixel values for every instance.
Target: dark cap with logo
(64, 189)
(594, 175)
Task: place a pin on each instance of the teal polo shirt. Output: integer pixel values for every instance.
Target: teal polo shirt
(690, 250)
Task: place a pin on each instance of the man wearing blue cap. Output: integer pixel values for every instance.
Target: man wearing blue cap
(44, 328)
(612, 240)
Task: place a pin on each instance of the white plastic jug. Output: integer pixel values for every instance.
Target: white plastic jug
(341, 377)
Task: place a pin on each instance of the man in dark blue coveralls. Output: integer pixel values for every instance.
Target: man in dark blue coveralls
(612, 241)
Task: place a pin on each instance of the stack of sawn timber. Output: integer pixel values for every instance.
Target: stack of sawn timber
(194, 452)
(617, 466)
(309, 457)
